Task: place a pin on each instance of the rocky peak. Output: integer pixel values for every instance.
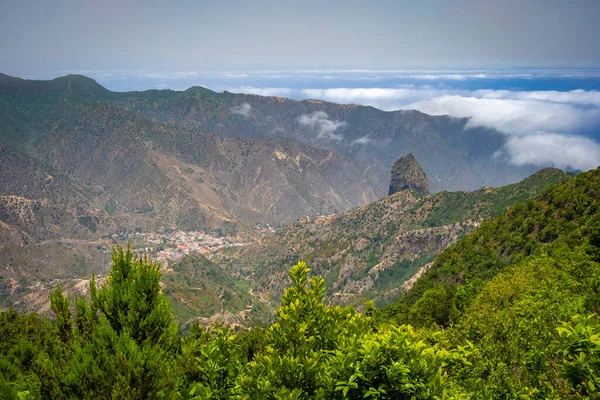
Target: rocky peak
(406, 174)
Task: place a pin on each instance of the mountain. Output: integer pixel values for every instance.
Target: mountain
(522, 295)
(84, 167)
(78, 171)
(377, 251)
(102, 138)
(163, 175)
(453, 155)
(407, 174)
(524, 325)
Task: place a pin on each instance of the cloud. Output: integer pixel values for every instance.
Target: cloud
(532, 120)
(389, 99)
(319, 121)
(448, 77)
(265, 91)
(540, 127)
(579, 96)
(562, 151)
(384, 98)
(243, 109)
(234, 75)
(513, 117)
(362, 140)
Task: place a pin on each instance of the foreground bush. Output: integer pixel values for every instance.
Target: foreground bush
(507, 340)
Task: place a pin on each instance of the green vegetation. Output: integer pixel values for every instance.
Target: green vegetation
(124, 344)
(509, 312)
(530, 332)
(453, 207)
(196, 287)
(568, 214)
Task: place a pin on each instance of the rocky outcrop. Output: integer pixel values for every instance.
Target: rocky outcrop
(407, 174)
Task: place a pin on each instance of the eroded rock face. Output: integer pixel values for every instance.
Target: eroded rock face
(407, 174)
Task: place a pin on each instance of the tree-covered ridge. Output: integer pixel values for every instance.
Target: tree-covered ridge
(123, 343)
(565, 213)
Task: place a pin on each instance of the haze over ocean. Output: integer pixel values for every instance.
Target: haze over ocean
(526, 79)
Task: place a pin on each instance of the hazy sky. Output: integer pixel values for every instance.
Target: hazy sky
(71, 35)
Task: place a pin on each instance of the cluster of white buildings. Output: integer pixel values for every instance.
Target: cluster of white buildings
(172, 246)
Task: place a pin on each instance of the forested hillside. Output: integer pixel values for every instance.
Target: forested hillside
(564, 215)
(508, 312)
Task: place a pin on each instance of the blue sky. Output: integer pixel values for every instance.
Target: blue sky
(529, 68)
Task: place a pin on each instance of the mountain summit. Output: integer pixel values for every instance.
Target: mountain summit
(407, 174)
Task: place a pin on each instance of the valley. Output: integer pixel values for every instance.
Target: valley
(240, 185)
(370, 252)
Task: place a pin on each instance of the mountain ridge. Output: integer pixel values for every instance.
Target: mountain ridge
(88, 166)
(373, 138)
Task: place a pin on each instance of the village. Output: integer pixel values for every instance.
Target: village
(171, 246)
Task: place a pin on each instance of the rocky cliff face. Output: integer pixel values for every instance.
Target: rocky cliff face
(407, 174)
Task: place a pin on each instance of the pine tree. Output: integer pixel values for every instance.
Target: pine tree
(132, 300)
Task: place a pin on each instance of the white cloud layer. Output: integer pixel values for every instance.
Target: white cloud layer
(562, 151)
(350, 74)
(319, 122)
(512, 116)
(543, 127)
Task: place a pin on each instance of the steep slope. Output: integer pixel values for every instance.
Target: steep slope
(171, 176)
(562, 214)
(453, 156)
(522, 293)
(370, 252)
(41, 201)
(198, 289)
(202, 291)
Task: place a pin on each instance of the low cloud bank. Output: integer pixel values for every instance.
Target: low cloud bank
(562, 151)
(540, 131)
(543, 127)
(512, 116)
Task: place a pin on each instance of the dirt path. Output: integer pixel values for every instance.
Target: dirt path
(251, 291)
